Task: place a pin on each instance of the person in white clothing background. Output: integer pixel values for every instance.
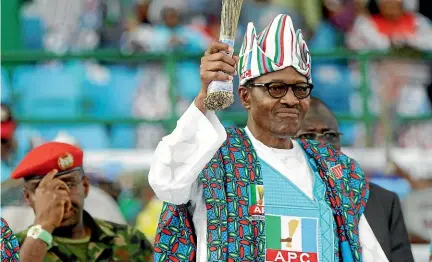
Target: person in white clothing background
(254, 193)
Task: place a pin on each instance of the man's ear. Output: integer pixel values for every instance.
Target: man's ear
(86, 185)
(28, 197)
(244, 94)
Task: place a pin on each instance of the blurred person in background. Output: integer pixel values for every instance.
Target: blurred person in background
(310, 11)
(55, 187)
(170, 33)
(383, 209)
(147, 220)
(213, 199)
(8, 142)
(392, 27)
(9, 245)
(417, 205)
(395, 28)
(177, 35)
(339, 16)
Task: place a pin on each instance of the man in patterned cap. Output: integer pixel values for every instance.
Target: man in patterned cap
(55, 187)
(254, 193)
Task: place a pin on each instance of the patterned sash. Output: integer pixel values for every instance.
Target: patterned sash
(232, 235)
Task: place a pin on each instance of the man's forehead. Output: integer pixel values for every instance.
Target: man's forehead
(287, 75)
(319, 122)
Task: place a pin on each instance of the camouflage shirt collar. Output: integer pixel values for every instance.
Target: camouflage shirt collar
(101, 230)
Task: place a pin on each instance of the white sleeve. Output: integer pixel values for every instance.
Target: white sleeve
(422, 39)
(180, 157)
(372, 250)
(364, 36)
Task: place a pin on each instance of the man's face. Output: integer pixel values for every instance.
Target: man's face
(320, 127)
(8, 148)
(171, 17)
(79, 188)
(391, 9)
(280, 117)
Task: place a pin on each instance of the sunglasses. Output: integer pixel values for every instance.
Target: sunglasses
(328, 136)
(278, 89)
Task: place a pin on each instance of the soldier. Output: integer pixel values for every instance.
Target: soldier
(55, 188)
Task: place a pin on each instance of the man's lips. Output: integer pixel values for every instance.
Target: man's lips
(288, 112)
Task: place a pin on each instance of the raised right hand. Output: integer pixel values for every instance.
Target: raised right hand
(52, 201)
(213, 63)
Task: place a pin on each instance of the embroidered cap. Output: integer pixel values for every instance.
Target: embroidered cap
(274, 49)
(43, 159)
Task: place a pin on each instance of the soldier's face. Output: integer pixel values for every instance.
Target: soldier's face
(279, 117)
(78, 185)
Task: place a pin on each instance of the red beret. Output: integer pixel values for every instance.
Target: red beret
(43, 159)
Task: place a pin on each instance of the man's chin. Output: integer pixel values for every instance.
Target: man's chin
(287, 132)
(69, 221)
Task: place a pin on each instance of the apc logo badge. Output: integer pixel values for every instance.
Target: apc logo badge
(256, 201)
(293, 239)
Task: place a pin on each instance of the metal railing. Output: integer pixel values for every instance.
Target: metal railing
(10, 59)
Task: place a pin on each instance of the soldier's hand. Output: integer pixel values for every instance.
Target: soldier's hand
(51, 202)
(215, 66)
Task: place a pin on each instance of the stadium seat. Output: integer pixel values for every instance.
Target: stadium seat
(109, 91)
(24, 135)
(123, 136)
(188, 80)
(332, 84)
(96, 89)
(6, 92)
(32, 30)
(48, 92)
(123, 87)
(89, 136)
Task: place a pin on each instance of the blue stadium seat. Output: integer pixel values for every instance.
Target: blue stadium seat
(123, 136)
(188, 80)
(6, 92)
(332, 84)
(96, 90)
(23, 136)
(48, 92)
(89, 136)
(110, 91)
(123, 87)
(32, 31)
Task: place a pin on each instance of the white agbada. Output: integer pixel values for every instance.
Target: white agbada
(180, 157)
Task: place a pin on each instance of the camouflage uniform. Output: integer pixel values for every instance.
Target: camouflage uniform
(108, 242)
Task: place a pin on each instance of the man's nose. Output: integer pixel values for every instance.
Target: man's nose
(289, 98)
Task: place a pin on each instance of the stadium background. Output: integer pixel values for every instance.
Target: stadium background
(113, 77)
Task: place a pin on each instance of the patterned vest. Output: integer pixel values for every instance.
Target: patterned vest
(233, 232)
